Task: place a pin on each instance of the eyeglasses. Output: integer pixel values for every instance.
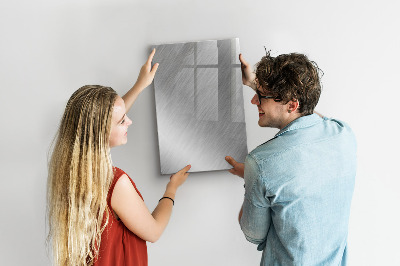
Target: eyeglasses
(276, 99)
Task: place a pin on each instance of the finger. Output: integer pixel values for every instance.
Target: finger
(232, 171)
(186, 168)
(154, 69)
(151, 56)
(242, 60)
(230, 160)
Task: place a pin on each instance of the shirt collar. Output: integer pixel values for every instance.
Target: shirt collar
(301, 122)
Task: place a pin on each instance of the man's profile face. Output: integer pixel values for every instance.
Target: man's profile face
(270, 113)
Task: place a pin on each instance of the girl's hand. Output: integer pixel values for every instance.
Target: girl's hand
(176, 180)
(146, 74)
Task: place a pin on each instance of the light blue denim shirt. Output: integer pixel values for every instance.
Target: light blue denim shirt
(298, 190)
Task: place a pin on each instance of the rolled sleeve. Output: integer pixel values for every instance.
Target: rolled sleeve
(256, 217)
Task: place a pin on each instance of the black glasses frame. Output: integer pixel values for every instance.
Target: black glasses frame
(276, 99)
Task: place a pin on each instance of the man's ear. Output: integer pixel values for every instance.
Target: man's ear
(293, 105)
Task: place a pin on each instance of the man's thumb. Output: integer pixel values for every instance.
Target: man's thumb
(230, 160)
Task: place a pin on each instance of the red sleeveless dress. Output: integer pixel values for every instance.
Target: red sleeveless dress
(119, 246)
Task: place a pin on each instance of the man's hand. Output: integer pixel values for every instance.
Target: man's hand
(238, 168)
(248, 75)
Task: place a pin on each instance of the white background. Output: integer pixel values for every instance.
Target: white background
(48, 49)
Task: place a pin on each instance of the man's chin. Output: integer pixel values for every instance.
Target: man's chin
(265, 124)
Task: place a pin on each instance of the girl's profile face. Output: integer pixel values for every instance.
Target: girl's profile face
(119, 124)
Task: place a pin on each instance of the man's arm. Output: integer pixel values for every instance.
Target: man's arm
(240, 213)
(248, 75)
(238, 169)
(318, 114)
(254, 216)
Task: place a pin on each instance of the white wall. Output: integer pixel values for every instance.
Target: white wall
(49, 49)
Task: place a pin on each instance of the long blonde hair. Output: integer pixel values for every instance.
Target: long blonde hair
(80, 174)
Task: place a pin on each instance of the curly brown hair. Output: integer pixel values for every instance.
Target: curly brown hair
(290, 77)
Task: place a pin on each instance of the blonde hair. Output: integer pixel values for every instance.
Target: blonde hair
(80, 174)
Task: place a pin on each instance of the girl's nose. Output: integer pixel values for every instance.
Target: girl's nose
(129, 122)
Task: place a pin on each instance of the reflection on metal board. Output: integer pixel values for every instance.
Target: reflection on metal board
(199, 105)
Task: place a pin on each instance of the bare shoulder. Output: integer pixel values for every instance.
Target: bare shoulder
(130, 208)
(123, 191)
(123, 181)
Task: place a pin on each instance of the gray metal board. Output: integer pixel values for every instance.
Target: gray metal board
(199, 105)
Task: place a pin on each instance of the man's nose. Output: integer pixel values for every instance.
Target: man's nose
(254, 100)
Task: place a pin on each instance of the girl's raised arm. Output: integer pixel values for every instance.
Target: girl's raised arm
(145, 78)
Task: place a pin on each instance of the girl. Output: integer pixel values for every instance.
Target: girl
(96, 214)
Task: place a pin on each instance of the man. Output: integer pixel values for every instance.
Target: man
(299, 184)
